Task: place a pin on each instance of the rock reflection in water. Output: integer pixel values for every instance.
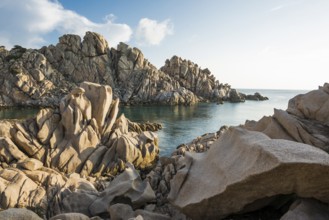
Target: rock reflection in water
(17, 113)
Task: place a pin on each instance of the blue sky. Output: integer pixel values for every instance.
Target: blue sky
(246, 43)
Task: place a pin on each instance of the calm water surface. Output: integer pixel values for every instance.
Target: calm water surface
(18, 113)
(182, 124)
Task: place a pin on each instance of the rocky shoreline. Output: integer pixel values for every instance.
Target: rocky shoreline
(32, 77)
(83, 161)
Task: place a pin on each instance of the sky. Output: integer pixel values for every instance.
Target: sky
(260, 44)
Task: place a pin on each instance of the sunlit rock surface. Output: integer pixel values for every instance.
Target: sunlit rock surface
(42, 157)
(31, 77)
(244, 167)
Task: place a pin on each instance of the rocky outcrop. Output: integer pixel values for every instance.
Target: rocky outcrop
(25, 80)
(78, 161)
(200, 144)
(84, 135)
(132, 77)
(202, 83)
(192, 77)
(305, 121)
(41, 158)
(49, 193)
(127, 188)
(255, 97)
(41, 77)
(246, 164)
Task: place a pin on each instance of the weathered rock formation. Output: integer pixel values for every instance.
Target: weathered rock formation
(41, 77)
(84, 136)
(202, 83)
(81, 160)
(25, 79)
(306, 120)
(127, 188)
(256, 97)
(192, 77)
(62, 163)
(250, 167)
(200, 144)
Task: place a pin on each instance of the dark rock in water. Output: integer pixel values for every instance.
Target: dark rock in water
(255, 97)
(235, 96)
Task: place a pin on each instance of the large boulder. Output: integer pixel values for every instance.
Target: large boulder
(305, 121)
(70, 216)
(235, 96)
(313, 105)
(79, 195)
(18, 189)
(121, 211)
(245, 171)
(17, 213)
(127, 187)
(94, 45)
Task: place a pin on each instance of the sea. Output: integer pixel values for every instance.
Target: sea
(182, 124)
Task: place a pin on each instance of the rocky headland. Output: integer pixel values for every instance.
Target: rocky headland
(31, 77)
(82, 160)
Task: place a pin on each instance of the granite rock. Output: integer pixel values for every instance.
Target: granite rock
(250, 167)
(32, 77)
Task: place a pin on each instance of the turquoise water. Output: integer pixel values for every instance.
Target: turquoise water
(182, 124)
(17, 113)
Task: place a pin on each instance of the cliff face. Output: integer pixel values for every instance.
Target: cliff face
(40, 77)
(133, 78)
(26, 78)
(200, 81)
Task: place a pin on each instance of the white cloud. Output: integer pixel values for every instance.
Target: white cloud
(285, 5)
(152, 32)
(277, 8)
(28, 22)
